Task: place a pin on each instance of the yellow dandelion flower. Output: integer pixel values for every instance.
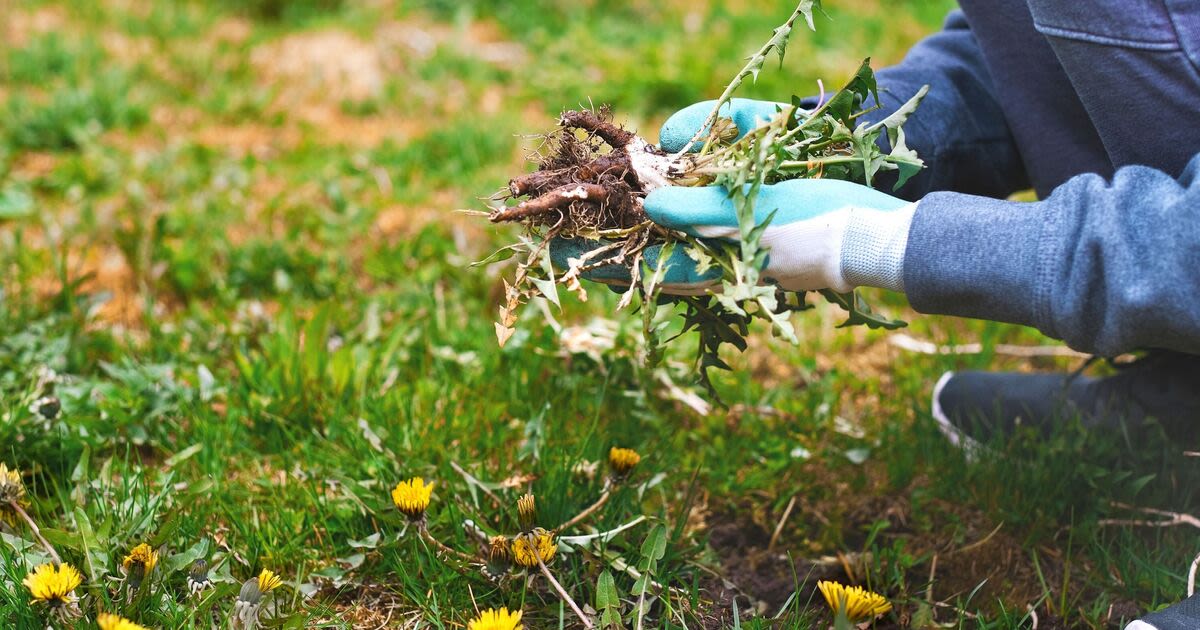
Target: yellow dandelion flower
(268, 581)
(412, 496)
(143, 557)
(622, 460)
(492, 619)
(108, 621)
(526, 510)
(856, 602)
(53, 585)
(527, 548)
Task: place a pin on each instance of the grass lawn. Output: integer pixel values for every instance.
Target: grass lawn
(237, 307)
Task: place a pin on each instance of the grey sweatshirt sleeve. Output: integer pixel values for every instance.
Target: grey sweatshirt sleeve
(1108, 267)
(959, 129)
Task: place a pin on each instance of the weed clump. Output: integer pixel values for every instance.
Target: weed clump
(593, 177)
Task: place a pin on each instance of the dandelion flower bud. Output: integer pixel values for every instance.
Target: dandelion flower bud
(197, 579)
(526, 511)
(47, 407)
(499, 550)
(499, 556)
(249, 601)
(250, 593)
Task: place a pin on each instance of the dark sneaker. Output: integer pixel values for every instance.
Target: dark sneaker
(974, 407)
(1182, 616)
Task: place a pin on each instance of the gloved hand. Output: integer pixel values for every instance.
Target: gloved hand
(815, 220)
(825, 234)
(746, 113)
(679, 278)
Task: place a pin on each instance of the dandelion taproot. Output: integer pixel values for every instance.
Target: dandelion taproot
(492, 619)
(412, 497)
(108, 621)
(528, 548)
(53, 586)
(622, 460)
(268, 581)
(857, 603)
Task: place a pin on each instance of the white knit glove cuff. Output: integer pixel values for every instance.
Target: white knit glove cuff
(873, 247)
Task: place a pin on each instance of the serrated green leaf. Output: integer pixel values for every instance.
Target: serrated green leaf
(894, 120)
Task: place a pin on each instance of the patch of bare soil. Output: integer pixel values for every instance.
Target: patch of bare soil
(130, 50)
(315, 75)
(417, 38)
(766, 575)
(19, 26)
(231, 30)
(261, 141)
(964, 555)
(331, 64)
(34, 164)
(101, 270)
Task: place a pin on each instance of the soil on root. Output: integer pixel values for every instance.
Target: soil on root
(585, 180)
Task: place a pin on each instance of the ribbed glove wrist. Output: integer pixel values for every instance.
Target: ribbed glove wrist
(873, 247)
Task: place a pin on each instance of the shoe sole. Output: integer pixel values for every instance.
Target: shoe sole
(955, 435)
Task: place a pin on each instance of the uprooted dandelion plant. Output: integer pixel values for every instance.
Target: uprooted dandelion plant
(593, 176)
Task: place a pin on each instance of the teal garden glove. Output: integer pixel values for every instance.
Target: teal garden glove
(681, 127)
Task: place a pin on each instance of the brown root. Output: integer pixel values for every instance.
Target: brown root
(597, 124)
(560, 198)
(534, 184)
(585, 181)
(608, 166)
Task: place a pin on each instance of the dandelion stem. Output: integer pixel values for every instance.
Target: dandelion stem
(36, 532)
(590, 510)
(442, 547)
(752, 66)
(587, 623)
(1191, 584)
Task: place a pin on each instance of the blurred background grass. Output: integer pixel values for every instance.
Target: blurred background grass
(228, 228)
